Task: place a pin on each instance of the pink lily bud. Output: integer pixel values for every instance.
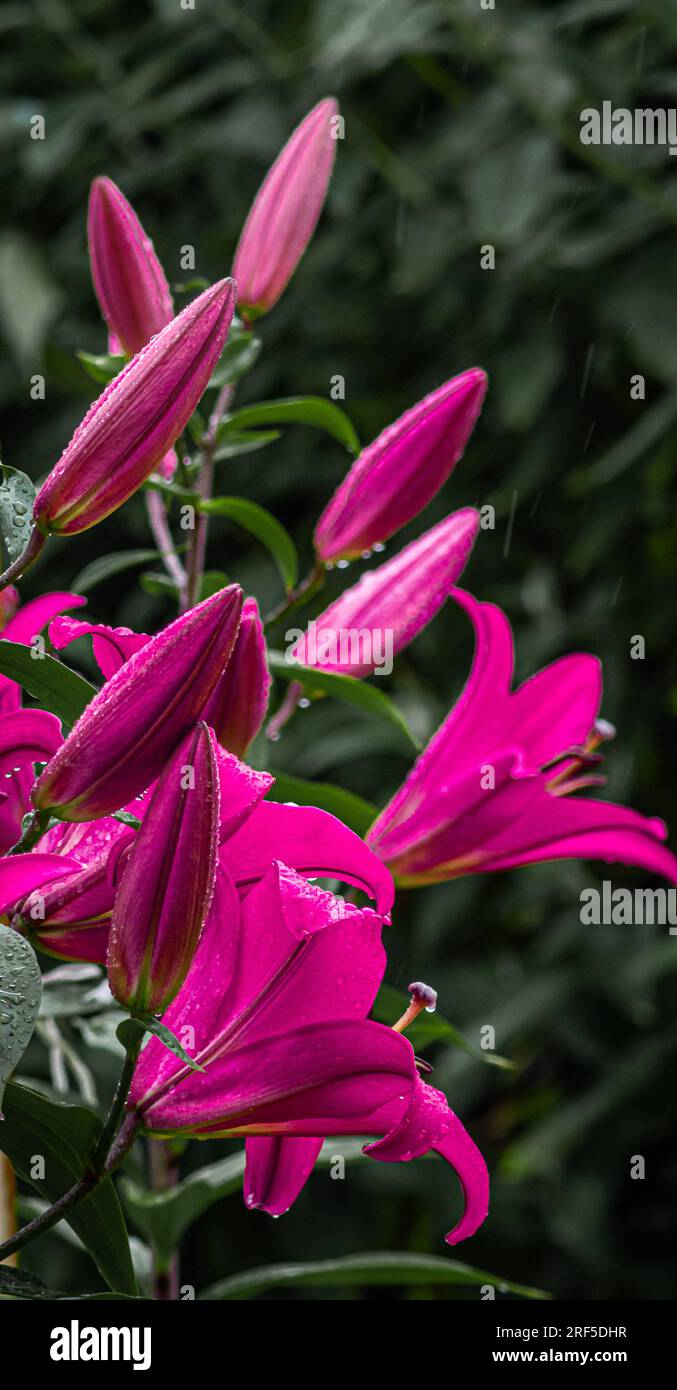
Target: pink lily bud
(367, 626)
(122, 741)
(237, 707)
(285, 211)
(130, 284)
(132, 425)
(167, 884)
(397, 475)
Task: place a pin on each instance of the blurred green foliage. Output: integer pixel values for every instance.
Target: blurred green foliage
(461, 130)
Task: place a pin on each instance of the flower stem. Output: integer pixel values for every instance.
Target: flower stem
(33, 547)
(157, 517)
(104, 1161)
(205, 484)
(33, 828)
(296, 597)
(116, 1112)
(164, 1174)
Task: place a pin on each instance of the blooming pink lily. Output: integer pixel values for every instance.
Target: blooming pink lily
(493, 788)
(162, 903)
(130, 284)
(398, 474)
(285, 212)
(128, 430)
(67, 911)
(394, 601)
(276, 1000)
(121, 742)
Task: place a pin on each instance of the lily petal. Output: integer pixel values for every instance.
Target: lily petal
(311, 841)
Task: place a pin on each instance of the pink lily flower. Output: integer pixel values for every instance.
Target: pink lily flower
(128, 430)
(124, 737)
(493, 788)
(389, 605)
(277, 1002)
(166, 888)
(67, 912)
(398, 474)
(130, 284)
(285, 212)
(237, 706)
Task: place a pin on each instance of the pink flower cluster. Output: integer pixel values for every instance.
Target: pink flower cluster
(161, 856)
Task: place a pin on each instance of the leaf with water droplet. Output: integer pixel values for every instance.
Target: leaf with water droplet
(17, 495)
(20, 986)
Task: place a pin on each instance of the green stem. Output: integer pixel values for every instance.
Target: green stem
(159, 525)
(116, 1111)
(35, 826)
(164, 1174)
(296, 597)
(34, 545)
(205, 484)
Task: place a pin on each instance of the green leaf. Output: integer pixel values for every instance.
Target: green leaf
(170, 1040)
(172, 490)
(391, 1003)
(264, 526)
(210, 583)
(20, 986)
(164, 1217)
(108, 565)
(198, 282)
(345, 688)
(383, 1268)
(104, 367)
(17, 495)
(238, 358)
(196, 427)
(126, 818)
(65, 1136)
(244, 442)
(52, 684)
(353, 810)
(16, 1283)
(295, 410)
(155, 584)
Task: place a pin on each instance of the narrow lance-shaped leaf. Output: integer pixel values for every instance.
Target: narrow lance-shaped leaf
(54, 685)
(296, 410)
(264, 526)
(382, 1268)
(345, 688)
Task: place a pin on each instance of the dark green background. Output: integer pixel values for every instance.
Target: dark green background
(461, 129)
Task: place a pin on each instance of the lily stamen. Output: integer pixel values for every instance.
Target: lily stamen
(422, 997)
